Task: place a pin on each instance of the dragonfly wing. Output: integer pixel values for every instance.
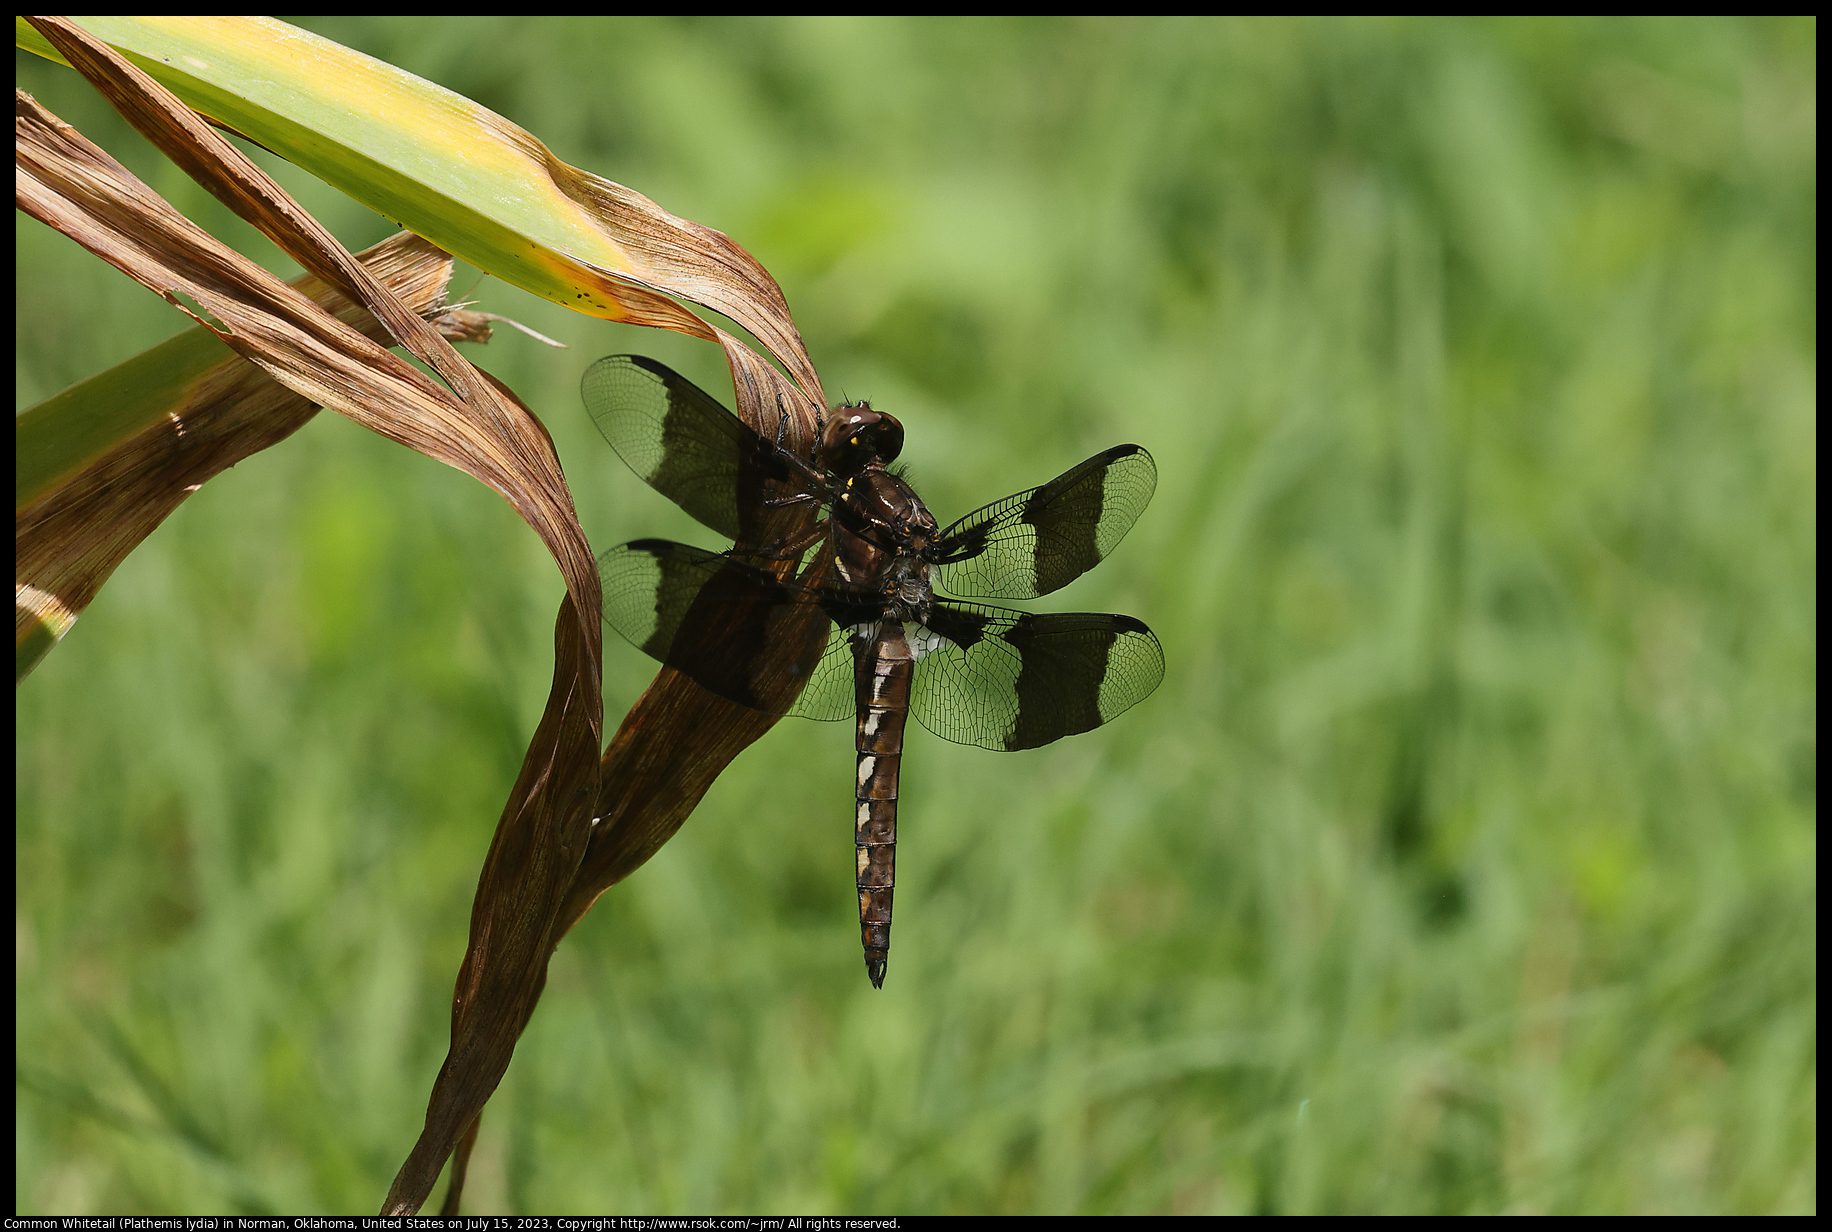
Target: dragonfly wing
(1040, 540)
(1002, 679)
(688, 447)
(734, 628)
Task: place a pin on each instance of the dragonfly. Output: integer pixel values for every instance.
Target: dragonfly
(842, 619)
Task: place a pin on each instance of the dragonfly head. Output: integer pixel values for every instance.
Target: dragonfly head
(856, 435)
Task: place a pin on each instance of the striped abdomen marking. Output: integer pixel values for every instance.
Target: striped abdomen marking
(881, 679)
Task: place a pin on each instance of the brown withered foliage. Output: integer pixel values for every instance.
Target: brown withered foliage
(575, 822)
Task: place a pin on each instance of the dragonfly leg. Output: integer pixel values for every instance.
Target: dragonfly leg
(790, 547)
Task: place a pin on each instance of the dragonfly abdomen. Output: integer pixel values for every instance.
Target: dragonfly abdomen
(882, 676)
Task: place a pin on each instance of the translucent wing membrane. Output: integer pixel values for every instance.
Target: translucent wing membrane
(687, 446)
(1037, 541)
(1002, 679)
(734, 629)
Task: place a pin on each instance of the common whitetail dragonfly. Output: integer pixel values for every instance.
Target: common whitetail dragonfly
(858, 631)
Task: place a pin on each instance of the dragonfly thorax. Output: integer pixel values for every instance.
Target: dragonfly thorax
(881, 538)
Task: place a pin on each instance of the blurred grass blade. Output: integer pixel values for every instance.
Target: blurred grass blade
(457, 173)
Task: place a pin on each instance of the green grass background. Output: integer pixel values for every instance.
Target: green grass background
(1464, 862)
